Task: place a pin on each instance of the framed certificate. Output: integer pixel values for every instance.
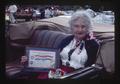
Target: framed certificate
(42, 58)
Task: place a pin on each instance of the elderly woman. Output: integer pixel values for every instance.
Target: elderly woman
(78, 50)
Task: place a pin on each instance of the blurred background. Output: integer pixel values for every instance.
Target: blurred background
(22, 13)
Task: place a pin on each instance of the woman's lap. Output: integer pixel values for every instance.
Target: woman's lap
(38, 75)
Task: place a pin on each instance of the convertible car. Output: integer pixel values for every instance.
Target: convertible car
(49, 33)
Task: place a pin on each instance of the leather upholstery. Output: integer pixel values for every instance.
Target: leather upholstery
(47, 38)
(40, 38)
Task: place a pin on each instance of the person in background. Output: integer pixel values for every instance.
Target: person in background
(12, 10)
(91, 13)
(26, 10)
(52, 11)
(35, 14)
(42, 15)
(47, 13)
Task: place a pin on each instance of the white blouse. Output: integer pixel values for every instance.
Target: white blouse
(78, 58)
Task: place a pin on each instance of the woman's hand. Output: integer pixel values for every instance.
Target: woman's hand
(24, 59)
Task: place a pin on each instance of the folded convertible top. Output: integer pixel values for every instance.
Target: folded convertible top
(25, 30)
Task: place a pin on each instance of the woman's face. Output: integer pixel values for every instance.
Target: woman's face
(79, 29)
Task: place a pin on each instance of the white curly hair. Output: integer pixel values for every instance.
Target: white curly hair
(84, 16)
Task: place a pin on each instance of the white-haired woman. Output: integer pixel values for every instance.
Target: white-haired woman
(78, 50)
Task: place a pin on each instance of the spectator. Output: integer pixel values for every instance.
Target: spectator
(12, 10)
(42, 11)
(91, 12)
(47, 13)
(27, 10)
(36, 13)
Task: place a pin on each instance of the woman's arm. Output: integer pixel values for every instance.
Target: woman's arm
(91, 48)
